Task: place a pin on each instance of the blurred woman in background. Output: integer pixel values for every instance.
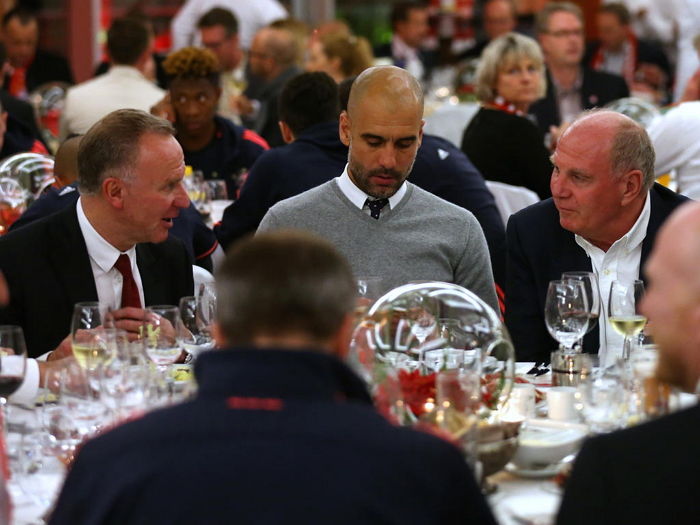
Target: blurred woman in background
(501, 141)
(339, 55)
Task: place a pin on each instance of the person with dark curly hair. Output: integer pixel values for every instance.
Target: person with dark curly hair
(212, 144)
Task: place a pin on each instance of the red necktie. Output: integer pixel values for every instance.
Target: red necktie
(130, 292)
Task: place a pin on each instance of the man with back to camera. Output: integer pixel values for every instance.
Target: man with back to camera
(113, 245)
(603, 217)
(648, 473)
(124, 85)
(281, 430)
(384, 225)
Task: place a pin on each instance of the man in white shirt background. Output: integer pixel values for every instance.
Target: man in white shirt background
(129, 43)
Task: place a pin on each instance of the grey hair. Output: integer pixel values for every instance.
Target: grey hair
(542, 18)
(631, 148)
(110, 147)
(508, 48)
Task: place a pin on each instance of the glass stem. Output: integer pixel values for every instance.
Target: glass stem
(626, 348)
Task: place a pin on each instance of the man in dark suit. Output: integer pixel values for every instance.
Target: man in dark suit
(603, 216)
(571, 88)
(113, 245)
(281, 431)
(409, 24)
(272, 61)
(31, 67)
(649, 473)
(642, 63)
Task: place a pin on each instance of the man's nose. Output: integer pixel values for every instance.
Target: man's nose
(387, 159)
(181, 200)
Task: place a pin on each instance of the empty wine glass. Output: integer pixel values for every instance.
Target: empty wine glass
(623, 311)
(160, 335)
(196, 337)
(423, 317)
(590, 287)
(566, 312)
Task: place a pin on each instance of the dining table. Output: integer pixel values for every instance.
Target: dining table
(517, 498)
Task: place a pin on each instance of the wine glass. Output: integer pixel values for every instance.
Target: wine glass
(423, 317)
(590, 286)
(196, 337)
(623, 311)
(13, 364)
(206, 298)
(566, 312)
(89, 346)
(124, 378)
(160, 335)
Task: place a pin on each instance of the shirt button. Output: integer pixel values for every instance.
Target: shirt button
(606, 272)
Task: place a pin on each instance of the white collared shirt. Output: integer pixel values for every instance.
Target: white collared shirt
(620, 262)
(103, 255)
(359, 197)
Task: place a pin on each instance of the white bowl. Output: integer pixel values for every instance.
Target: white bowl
(545, 442)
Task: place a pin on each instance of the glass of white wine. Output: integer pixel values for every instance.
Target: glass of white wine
(90, 347)
(623, 311)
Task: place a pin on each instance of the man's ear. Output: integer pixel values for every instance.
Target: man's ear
(219, 337)
(340, 342)
(633, 181)
(113, 190)
(344, 128)
(287, 134)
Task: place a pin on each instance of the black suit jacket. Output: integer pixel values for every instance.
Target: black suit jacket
(644, 474)
(46, 67)
(48, 270)
(539, 250)
(597, 89)
(22, 112)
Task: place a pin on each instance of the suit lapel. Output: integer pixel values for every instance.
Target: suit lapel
(70, 257)
(154, 289)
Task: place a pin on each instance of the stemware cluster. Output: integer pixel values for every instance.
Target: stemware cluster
(113, 375)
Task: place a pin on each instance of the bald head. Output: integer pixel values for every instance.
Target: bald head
(389, 86)
(65, 167)
(630, 147)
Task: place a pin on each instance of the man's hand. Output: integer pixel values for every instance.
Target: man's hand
(164, 109)
(242, 105)
(63, 350)
(129, 319)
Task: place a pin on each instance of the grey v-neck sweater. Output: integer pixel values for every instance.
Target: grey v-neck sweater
(423, 238)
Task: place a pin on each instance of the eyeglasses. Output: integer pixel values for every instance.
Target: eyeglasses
(563, 33)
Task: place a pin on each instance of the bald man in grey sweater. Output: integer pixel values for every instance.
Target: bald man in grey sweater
(384, 225)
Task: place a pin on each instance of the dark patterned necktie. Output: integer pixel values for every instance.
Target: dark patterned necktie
(375, 207)
(130, 292)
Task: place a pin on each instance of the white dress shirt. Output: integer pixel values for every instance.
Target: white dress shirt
(359, 197)
(120, 88)
(620, 262)
(103, 255)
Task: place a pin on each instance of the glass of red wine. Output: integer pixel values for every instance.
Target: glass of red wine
(13, 363)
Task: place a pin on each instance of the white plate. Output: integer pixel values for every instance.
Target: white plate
(535, 473)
